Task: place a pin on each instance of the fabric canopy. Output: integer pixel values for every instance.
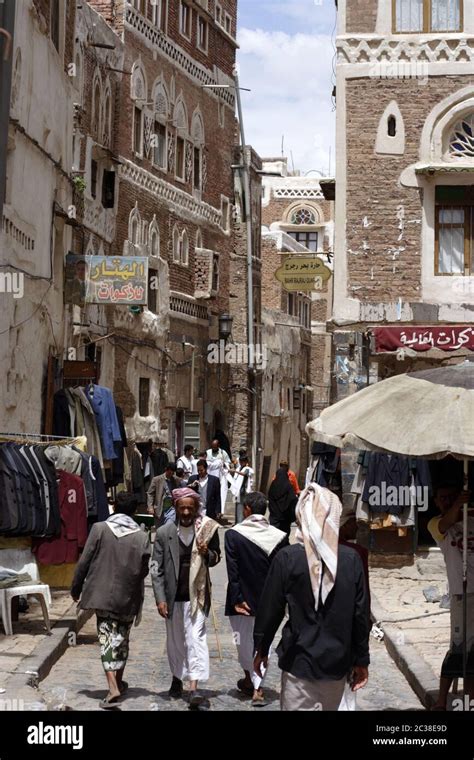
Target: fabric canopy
(426, 414)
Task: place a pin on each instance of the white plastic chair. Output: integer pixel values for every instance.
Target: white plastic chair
(22, 561)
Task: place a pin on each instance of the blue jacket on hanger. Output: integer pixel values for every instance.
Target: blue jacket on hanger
(102, 402)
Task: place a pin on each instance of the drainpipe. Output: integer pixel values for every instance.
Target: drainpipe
(7, 25)
(245, 170)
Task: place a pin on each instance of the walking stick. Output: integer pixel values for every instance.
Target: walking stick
(214, 620)
(464, 580)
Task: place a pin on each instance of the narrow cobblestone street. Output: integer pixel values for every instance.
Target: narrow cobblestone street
(77, 680)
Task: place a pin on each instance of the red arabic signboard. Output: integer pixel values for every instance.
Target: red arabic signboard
(445, 338)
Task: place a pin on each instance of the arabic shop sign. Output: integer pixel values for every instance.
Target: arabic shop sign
(303, 273)
(117, 280)
(445, 338)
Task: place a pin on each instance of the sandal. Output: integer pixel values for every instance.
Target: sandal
(259, 701)
(123, 687)
(242, 686)
(109, 703)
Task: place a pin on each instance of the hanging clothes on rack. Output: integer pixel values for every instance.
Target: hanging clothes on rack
(137, 484)
(86, 422)
(73, 412)
(28, 490)
(117, 475)
(390, 488)
(65, 548)
(102, 402)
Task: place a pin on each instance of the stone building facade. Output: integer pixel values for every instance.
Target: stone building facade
(297, 221)
(404, 277)
(34, 231)
(174, 145)
(245, 380)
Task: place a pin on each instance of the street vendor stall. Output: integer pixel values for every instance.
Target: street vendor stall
(427, 415)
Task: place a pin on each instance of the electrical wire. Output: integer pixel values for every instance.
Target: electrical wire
(23, 271)
(19, 324)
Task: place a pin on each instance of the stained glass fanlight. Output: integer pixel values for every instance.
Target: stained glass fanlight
(303, 216)
(461, 142)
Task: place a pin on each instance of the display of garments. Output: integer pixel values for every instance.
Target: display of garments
(73, 510)
(117, 474)
(28, 492)
(53, 525)
(65, 458)
(102, 402)
(137, 483)
(100, 493)
(86, 423)
(386, 475)
(62, 423)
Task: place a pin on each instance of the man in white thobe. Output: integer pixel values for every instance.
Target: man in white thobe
(188, 462)
(242, 484)
(183, 552)
(218, 464)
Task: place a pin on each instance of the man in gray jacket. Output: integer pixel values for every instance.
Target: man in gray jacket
(182, 554)
(109, 580)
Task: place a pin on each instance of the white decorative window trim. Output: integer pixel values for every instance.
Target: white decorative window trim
(176, 55)
(138, 83)
(461, 138)
(176, 198)
(154, 234)
(297, 191)
(383, 50)
(135, 220)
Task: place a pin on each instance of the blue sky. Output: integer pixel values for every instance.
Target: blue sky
(286, 58)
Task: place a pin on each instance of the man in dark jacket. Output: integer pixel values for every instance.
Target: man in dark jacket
(209, 489)
(325, 640)
(160, 503)
(116, 550)
(182, 555)
(250, 547)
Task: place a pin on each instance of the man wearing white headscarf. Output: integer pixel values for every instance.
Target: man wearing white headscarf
(325, 640)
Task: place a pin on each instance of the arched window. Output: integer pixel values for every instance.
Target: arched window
(134, 226)
(16, 81)
(96, 106)
(199, 239)
(139, 96)
(180, 118)
(154, 238)
(391, 126)
(176, 245)
(78, 74)
(303, 216)
(107, 121)
(197, 135)
(161, 100)
(184, 249)
(138, 83)
(160, 131)
(215, 272)
(461, 141)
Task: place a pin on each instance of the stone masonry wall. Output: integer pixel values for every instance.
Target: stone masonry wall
(384, 260)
